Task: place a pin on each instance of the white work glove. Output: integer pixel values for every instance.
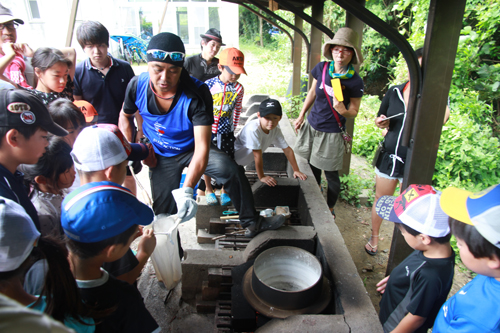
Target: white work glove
(186, 205)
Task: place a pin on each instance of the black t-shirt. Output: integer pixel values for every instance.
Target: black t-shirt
(198, 67)
(392, 104)
(200, 112)
(393, 157)
(419, 285)
(12, 187)
(130, 314)
(321, 117)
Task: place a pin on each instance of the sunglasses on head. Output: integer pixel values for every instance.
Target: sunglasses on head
(162, 55)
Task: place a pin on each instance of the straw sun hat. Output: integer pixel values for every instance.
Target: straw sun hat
(344, 37)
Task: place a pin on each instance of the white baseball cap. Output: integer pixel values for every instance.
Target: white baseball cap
(18, 235)
(101, 146)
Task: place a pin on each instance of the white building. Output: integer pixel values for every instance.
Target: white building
(46, 21)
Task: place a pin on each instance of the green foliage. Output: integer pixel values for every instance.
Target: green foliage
(293, 104)
(366, 134)
(468, 156)
(268, 71)
(250, 31)
(351, 187)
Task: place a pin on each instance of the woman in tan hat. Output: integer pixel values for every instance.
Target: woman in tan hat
(320, 139)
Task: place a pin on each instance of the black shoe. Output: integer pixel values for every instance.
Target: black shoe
(263, 224)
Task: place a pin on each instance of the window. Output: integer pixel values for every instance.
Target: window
(213, 17)
(33, 6)
(182, 24)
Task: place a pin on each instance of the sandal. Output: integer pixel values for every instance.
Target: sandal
(373, 251)
(211, 199)
(333, 213)
(225, 200)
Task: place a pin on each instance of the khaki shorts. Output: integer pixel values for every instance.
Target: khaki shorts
(323, 150)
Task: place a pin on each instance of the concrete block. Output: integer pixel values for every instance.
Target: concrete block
(274, 160)
(196, 264)
(252, 109)
(307, 323)
(206, 212)
(286, 193)
(256, 99)
(299, 236)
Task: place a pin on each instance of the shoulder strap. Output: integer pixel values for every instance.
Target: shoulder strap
(335, 113)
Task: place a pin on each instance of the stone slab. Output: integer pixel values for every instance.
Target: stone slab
(299, 236)
(206, 212)
(307, 323)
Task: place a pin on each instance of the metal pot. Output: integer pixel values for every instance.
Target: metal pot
(287, 277)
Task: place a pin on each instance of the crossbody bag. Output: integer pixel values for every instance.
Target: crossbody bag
(345, 136)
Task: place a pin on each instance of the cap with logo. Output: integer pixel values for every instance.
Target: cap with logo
(270, 106)
(233, 59)
(213, 34)
(6, 15)
(101, 146)
(19, 108)
(18, 235)
(480, 209)
(101, 210)
(418, 208)
(88, 111)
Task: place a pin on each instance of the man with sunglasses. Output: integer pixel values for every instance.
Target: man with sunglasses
(14, 52)
(203, 66)
(175, 114)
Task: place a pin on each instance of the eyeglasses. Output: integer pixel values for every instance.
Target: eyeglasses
(347, 52)
(162, 55)
(9, 25)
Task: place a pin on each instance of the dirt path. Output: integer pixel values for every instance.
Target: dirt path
(354, 224)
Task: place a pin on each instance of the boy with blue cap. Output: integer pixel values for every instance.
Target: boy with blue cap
(475, 222)
(101, 153)
(100, 220)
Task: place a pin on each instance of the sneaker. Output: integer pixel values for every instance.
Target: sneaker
(211, 199)
(225, 200)
(263, 224)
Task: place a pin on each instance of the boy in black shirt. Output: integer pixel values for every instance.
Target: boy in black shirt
(24, 123)
(417, 287)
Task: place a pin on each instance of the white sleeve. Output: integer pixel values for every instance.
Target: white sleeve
(279, 140)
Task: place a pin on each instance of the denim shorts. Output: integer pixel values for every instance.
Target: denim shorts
(383, 175)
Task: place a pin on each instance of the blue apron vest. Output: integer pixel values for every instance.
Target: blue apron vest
(171, 134)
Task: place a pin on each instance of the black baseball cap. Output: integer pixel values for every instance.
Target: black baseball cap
(270, 106)
(19, 108)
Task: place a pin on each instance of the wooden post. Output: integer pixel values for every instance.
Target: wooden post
(163, 16)
(297, 58)
(316, 36)
(440, 48)
(71, 26)
(357, 25)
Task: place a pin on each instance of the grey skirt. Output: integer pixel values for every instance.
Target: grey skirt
(323, 150)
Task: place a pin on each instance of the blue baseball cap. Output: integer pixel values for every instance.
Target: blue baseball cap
(101, 210)
(481, 209)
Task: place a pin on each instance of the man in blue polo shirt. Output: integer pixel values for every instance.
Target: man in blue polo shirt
(101, 79)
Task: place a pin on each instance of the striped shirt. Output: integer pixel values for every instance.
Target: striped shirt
(228, 99)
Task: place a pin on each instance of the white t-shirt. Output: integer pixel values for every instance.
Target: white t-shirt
(252, 137)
